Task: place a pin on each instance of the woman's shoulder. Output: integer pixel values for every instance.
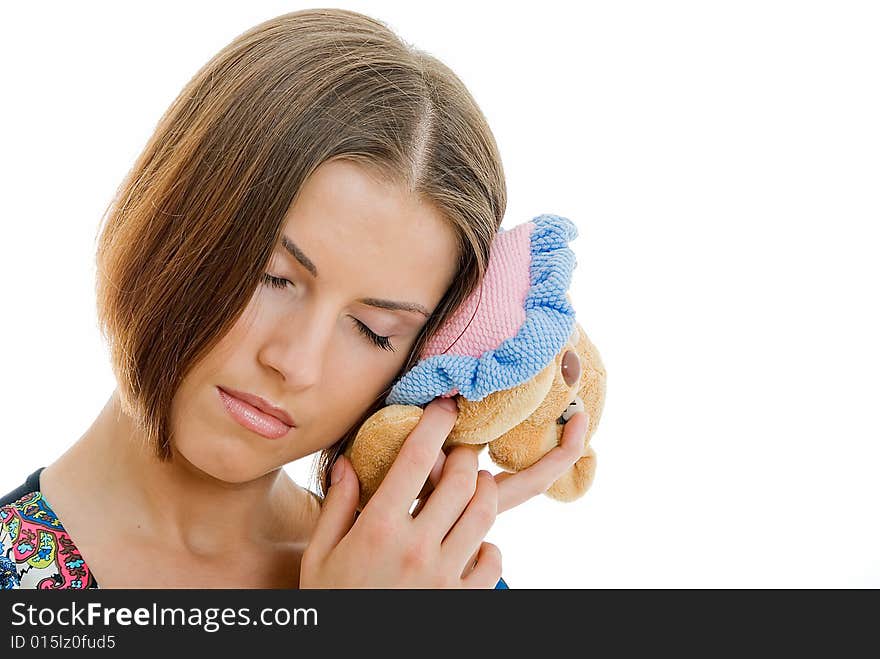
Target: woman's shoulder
(35, 550)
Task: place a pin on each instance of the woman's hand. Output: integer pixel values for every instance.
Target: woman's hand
(519, 487)
(386, 546)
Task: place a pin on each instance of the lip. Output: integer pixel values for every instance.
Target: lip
(261, 404)
(256, 414)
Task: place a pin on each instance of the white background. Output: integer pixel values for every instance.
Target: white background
(721, 163)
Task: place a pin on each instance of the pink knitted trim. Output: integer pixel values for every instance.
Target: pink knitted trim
(495, 311)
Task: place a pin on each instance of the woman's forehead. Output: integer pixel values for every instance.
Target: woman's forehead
(348, 223)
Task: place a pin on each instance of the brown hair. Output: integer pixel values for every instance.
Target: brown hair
(193, 224)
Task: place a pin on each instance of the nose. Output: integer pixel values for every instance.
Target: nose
(571, 367)
(300, 369)
(298, 352)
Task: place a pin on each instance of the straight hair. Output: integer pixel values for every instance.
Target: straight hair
(193, 224)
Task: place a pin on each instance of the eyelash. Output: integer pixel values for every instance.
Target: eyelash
(379, 341)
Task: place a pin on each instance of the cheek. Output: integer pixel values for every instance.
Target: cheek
(251, 319)
(362, 366)
(356, 373)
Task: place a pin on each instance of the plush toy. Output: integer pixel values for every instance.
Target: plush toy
(514, 358)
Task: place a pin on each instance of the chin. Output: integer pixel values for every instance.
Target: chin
(226, 463)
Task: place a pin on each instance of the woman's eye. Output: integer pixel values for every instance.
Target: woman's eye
(276, 282)
(380, 341)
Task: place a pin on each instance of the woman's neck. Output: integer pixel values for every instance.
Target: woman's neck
(174, 503)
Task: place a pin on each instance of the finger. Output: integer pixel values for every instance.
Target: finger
(434, 476)
(516, 488)
(487, 570)
(337, 510)
(471, 564)
(457, 485)
(410, 469)
(418, 507)
(466, 536)
(428, 487)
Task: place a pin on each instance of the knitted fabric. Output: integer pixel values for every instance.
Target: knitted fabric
(492, 316)
(509, 328)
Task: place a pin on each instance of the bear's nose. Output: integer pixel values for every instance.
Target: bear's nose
(571, 367)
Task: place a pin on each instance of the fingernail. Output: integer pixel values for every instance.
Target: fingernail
(336, 472)
(448, 404)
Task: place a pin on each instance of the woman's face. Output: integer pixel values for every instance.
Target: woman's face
(304, 345)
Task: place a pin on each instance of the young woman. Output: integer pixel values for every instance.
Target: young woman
(312, 206)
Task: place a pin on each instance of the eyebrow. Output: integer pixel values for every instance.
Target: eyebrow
(391, 305)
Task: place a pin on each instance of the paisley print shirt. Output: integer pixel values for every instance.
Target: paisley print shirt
(35, 550)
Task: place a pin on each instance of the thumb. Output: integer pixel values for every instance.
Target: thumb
(337, 511)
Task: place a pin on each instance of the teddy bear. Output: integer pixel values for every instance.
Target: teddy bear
(515, 360)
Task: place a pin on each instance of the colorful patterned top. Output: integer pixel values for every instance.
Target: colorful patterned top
(35, 550)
